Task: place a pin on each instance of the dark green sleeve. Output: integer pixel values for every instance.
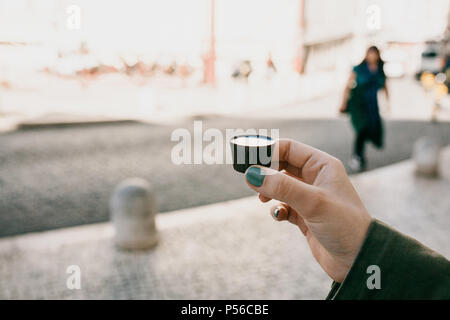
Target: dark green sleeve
(408, 269)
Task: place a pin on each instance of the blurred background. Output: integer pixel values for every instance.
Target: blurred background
(63, 57)
(90, 92)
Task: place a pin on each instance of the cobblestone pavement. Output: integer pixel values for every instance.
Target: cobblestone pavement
(231, 250)
(220, 251)
(59, 177)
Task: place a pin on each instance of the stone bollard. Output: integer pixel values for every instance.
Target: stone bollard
(426, 155)
(133, 209)
(444, 163)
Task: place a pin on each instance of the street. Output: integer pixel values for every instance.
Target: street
(59, 177)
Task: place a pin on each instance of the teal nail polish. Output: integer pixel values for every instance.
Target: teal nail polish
(255, 176)
(277, 211)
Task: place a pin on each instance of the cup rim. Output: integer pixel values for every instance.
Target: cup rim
(268, 138)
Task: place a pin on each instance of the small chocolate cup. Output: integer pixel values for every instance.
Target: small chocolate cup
(247, 153)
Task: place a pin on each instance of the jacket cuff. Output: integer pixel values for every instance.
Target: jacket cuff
(391, 265)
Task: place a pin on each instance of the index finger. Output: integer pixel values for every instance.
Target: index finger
(294, 153)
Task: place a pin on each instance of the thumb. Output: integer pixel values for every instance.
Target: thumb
(305, 198)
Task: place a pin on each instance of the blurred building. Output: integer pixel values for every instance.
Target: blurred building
(333, 33)
(337, 33)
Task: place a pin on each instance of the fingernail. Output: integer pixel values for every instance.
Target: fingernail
(255, 177)
(276, 212)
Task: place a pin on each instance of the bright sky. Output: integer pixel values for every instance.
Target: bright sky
(151, 26)
(180, 28)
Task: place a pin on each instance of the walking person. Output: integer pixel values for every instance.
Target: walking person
(361, 102)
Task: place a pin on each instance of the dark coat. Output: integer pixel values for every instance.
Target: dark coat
(362, 104)
(407, 269)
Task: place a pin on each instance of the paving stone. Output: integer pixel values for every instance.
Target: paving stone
(228, 250)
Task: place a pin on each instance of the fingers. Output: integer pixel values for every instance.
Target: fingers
(272, 184)
(283, 212)
(263, 198)
(280, 212)
(294, 152)
(299, 159)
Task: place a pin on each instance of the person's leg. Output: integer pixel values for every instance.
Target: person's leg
(359, 150)
(360, 143)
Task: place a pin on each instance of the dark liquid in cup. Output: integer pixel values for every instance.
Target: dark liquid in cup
(249, 150)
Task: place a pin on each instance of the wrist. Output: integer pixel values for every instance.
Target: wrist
(358, 241)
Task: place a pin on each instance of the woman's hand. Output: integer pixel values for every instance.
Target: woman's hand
(317, 196)
(343, 108)
(350, 83)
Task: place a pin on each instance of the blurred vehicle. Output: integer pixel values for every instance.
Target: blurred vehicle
(431, 60)
(446, 72)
